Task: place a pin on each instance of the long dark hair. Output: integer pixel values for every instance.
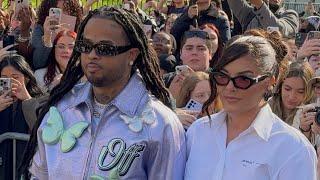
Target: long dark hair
(258, 47)
(72, 6)
(51, 69)
(18, 62)
(146, 63)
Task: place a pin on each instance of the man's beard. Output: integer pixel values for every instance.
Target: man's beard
(97, 82)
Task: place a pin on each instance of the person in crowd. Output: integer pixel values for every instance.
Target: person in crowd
(164, 43)
(217, 45)
(195, 87)
(265, 13)
(49, 77)
(292, 48)
(44, 33)
(130, 106)
(145, 19)
(195, 53)
(305, 118)
(167, 64)
(292, 91)
(169, 22)
(203, 12)
(23, 87)
(310, 51)
(243, 78)
(309, 10)
(175, 7)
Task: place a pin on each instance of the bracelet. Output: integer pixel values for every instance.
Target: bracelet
(304, 130)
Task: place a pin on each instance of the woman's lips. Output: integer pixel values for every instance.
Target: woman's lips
(231, 99)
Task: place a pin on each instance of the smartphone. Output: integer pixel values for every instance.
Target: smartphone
(314, 35)
(5, 85)
(56, 14)
(8, 40)
(20, 4)
(300, 38)
(183, 69)
(271, 29)
(194, 105)
(148, 30)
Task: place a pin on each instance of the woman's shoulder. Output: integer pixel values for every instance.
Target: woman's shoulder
(206, 122)
(40, 72)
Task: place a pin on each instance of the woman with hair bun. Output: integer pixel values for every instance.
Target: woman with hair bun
(246, 139)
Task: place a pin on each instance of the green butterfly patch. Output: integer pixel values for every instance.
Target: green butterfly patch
(113, 175)
(53, 131)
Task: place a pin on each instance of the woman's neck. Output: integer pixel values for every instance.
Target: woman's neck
(239, 122)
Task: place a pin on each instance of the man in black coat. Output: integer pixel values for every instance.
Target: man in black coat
(205, 12)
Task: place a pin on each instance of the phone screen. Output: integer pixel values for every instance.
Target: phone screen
(8, 40)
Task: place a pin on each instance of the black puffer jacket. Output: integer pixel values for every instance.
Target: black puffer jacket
(210, 15)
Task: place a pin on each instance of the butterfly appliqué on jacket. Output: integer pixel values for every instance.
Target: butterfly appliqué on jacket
(135, 123)
(54, 131)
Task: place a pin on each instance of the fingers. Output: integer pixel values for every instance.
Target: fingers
(186, 119)
(8, 47)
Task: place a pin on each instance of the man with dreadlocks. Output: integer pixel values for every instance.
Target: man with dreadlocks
(113, 126)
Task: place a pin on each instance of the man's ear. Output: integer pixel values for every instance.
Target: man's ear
(133, 54)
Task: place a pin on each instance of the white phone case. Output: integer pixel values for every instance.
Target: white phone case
(194, 105)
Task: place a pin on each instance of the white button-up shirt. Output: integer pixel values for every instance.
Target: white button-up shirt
(268, 149)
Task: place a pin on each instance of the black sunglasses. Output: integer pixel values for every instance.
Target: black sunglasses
(240, 82)
(199, 34)
(102, 48)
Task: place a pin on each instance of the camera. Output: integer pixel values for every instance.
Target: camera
(317, 110)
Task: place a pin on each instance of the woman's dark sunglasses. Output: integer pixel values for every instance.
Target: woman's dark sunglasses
(101, 48)
(240, 82)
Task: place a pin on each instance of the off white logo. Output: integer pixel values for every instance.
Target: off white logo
(248, 163)
(122, 159)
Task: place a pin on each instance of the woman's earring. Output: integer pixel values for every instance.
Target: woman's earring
(131, 63)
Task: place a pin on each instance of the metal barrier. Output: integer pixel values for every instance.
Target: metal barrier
(14, 137)
(299, 6)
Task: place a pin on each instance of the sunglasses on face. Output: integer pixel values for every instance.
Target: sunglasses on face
(199, 34)
(240, 82)
(101, 48)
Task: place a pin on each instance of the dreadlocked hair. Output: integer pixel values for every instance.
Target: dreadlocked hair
(146, 63)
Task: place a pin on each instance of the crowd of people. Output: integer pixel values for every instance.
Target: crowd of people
(199, 89)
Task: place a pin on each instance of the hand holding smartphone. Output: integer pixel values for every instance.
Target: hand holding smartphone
(55, 17)
(5, 85)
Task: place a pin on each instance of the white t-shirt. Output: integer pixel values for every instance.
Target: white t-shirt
(268, 149)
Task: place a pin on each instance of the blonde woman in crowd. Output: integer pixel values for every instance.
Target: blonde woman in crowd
(292, 91)
(195, 87)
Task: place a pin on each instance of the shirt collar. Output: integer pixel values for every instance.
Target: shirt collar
(263, 122)
(127, 101)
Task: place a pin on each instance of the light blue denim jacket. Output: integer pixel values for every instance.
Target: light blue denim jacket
(162, 148)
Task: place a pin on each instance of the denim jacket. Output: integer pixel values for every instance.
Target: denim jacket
(158, 151)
